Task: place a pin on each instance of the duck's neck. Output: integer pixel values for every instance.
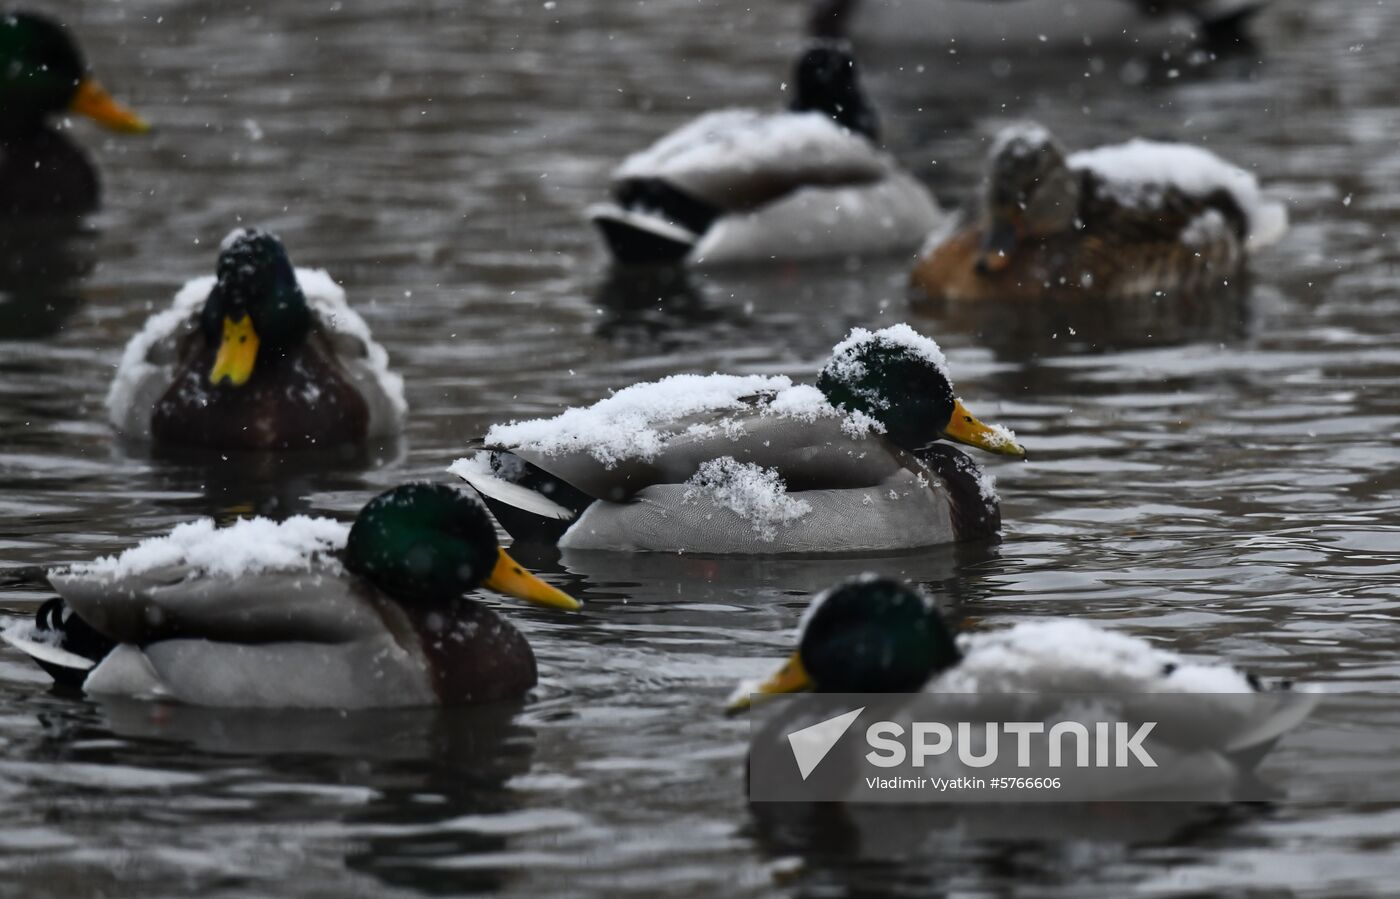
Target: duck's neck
(975, 510)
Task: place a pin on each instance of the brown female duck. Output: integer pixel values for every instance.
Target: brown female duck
(1131, 220)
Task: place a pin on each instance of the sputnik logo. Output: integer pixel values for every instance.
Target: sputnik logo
(811, 744)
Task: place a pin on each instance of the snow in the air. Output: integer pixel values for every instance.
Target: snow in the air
(325, 297)
(1135, 168)
(754, 493)
(1071, 655)
(248, 546)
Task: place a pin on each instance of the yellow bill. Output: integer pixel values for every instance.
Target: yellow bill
(510, 578)
(238, 352)
(791, 678)
(93, 101)
(964, 427)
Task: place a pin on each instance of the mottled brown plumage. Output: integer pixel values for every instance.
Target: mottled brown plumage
(298, 399)
(1162, 241)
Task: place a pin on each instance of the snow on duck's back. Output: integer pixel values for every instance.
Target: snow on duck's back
(639, 421)
(248, 546)
(633, 422)
(1130, 167)
(793, 146)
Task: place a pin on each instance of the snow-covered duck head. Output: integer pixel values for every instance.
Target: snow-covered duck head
(827, 81)
(899, 378)
(1031, 193)
(256, 309)
(426, 544)
(869, 634)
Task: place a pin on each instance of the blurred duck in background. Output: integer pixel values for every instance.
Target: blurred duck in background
(744, 186)
(43, 75)
(1138, 219)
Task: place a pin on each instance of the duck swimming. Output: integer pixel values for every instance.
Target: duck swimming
(743, 186)
(872, 634)
(1133, 220)
(43, 75)
(304, 613)
(754, 465)
(260, 357)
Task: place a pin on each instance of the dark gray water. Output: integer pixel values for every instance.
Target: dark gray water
(1222, 478)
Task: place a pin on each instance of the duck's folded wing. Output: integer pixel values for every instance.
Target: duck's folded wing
(371, 672)
(364, 360)
(321, 605)
(808, 454)
(741, 159)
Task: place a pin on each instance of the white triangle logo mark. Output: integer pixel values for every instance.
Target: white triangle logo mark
(811, 744)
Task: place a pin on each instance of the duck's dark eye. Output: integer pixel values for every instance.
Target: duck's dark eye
(243, 338)
(967, 418)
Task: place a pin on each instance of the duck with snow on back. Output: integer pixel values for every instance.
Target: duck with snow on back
(755, 465)
(740, 186)
(1139, 219)
(303, 613)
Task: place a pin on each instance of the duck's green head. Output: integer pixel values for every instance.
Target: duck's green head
(42, 73)
(827, 81)
(256, 309)
(427, 544)
(1031, 193)
(866, 635)
(899, 377)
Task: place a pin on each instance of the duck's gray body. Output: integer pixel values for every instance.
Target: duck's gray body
(854, 493)
(780, 186)
(318, 638)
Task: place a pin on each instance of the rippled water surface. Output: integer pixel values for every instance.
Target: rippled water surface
(1223, 477)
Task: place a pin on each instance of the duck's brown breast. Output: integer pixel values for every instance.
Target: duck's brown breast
(949, 271)
(297, 400)
(472, 655)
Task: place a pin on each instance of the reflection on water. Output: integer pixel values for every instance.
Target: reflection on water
(1020, 331)
(1222, 476)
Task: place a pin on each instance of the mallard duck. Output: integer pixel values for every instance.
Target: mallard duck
(755, 465)
(999, 23)
(261, 357)
(740, 186)
(1131, 220)
(876, 635)
(43, 74)
(304, 613)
